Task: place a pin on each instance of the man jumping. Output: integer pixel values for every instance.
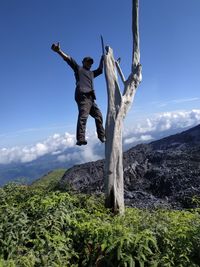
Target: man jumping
(85, 94)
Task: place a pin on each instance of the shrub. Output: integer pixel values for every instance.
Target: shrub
(40, 227)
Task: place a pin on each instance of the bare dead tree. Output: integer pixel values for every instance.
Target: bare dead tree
(118, 105)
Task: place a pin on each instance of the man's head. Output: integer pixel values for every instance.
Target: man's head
(87, 62)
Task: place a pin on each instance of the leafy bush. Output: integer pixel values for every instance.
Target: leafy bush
(41, 227)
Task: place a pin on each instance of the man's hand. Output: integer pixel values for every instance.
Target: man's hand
(55, 47)
(101, 62)
(102, 58)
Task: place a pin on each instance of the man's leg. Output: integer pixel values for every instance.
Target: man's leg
(84, 107)
(96, 114)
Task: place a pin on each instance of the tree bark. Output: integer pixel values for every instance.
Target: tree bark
(118, 105)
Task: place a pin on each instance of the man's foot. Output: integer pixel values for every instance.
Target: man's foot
(102, 139)
(81, 143)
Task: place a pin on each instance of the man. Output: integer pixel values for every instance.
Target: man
(84, 94)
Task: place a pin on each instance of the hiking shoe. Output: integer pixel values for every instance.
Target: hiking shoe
(81, 143)
(102, 139)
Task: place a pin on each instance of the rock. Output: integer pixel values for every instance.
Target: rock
(163, 173)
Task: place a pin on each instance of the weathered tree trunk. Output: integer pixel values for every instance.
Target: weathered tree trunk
(118, 105)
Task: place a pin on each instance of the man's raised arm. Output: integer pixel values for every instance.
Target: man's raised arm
(71, 62)
(99, 71)
(56, 48)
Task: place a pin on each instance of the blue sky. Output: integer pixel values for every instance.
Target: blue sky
(37, 87)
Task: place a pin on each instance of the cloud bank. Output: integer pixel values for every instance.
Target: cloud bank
(161, 125)
(54, 144)
(63, 147)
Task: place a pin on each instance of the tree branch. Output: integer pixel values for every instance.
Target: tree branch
(135, 32)
(120, 71)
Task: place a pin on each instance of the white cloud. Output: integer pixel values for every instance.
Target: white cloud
(177, 101)
(91, 152)
(167, 122)
(140, 139)
(63, 145)
(53, 144)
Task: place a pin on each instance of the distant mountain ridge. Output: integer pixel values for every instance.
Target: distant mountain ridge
(190, 138)
(163, 173)
(31, 170)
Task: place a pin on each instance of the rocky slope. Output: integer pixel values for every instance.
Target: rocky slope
(164, 173)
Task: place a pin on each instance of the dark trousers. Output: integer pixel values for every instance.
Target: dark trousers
(86, 107)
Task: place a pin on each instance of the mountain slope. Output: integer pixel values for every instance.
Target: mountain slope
(163, 173)
(31, 170)
(49, 180)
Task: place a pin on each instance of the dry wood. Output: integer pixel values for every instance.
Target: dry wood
(118, 105)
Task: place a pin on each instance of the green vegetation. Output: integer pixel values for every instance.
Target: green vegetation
(43, 227)
(50, 180)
